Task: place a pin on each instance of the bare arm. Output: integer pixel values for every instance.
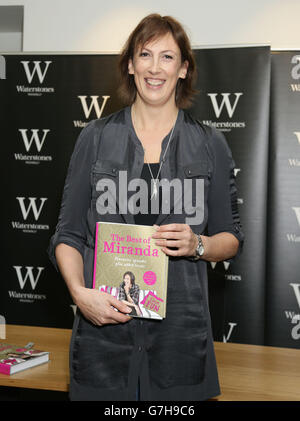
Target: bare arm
(96, 306)
(218, 247)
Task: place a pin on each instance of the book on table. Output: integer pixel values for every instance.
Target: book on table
(129, 266)
(15, 358)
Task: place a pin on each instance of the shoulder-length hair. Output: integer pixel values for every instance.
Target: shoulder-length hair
(151, 28)
(132, 279)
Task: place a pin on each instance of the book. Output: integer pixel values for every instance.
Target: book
(129, 266)
(14, 358)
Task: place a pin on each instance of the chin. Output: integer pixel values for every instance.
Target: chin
(158, 101)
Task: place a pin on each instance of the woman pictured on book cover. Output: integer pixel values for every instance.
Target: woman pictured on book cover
(129, 293)
(152, 142)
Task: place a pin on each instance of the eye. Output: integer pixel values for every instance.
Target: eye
(168, 57)
(144, 54)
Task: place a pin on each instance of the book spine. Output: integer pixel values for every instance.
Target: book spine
(4, 368)
(95, 255)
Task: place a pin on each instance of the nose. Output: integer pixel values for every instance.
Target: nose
(154, 67)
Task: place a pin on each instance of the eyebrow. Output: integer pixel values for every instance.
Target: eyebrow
(162, 52)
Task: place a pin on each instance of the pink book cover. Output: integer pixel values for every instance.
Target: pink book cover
(15, 358)
(129, 266)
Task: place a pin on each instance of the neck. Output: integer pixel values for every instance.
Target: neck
(153, 118)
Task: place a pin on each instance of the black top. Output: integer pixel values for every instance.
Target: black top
(150, 217)
(173, 359)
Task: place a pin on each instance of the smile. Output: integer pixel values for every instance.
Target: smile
(154, 82)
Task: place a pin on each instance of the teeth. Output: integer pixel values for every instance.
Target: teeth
(154, 82)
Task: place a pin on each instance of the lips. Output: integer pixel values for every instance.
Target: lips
(154, 82)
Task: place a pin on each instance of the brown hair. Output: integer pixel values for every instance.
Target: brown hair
(132, 278)
(150, 28)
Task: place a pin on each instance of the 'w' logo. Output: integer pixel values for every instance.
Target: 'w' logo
(296, 69)
(34, 138)
(225, 102)
(225, 264)
(32, 206)
(36, 70)
(93, 104)
(296, 288)
(28, 275)
(298, 136)
(297, 212)
(231, 326)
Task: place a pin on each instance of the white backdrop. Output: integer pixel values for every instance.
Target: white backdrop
(102, 26)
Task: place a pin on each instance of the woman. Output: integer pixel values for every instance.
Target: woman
(129, 293)
(155, 141)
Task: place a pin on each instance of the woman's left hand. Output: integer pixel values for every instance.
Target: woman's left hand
(178, 236)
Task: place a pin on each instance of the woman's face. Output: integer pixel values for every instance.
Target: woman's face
(127, 280)
(156, 68)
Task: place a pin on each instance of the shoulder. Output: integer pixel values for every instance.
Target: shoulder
(90, 135)
(214, 139)
(117, 117)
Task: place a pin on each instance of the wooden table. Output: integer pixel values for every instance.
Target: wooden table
(246, 372)
(258, 373)
(53, 375)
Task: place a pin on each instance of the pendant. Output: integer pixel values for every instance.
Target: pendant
(154, 193)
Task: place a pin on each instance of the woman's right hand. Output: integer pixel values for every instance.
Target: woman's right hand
(99, 307)
(95, 305)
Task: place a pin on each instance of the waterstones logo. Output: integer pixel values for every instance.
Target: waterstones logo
(35, 71)
(232, 277)
(30, 206)
(297, 134)
(295, 73)
(228, 276)
(74, 309)
(240, 200)
(226, 105)
(33, 139)
(89, 105)
(28, 276)
(292, 237)
(295, 162)
(225, 264)
(293, 316)
(229, 333)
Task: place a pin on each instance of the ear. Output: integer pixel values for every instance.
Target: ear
(184, 69)
(130, 67)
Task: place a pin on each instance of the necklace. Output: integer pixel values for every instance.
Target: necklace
(155, 180)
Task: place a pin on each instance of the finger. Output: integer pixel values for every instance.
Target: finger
(169, 243)
(117, 317)
(172, 227)
(172, 235)
(171, 252)
(119, 305)
(111, 316)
